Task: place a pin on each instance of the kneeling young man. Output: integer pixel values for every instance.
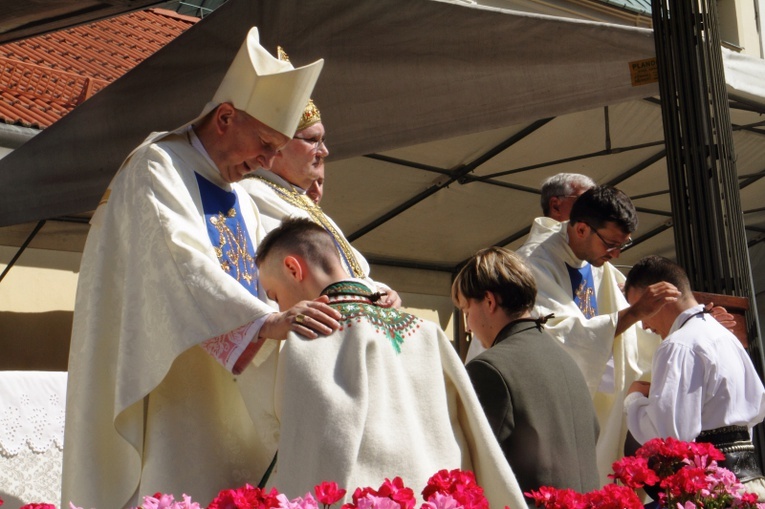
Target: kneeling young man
(532, 391)
(385, 395)
(704, 386)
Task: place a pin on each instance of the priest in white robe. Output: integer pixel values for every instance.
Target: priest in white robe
(558, 194)
(168, 309)
(384, 396)
(281, 192)
(592, 319)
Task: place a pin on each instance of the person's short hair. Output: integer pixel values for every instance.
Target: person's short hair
(302, 237)
(655, 269)
(562, 184)
(500, 271)
(603, 204)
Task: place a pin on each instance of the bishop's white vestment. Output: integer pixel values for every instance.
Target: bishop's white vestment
(277, 199)
(590, 341)
(149, 410)
(384, 396)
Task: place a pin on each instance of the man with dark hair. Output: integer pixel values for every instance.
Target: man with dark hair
(532, 392)
(558, 194)
(704, 386)
(593, 321)
(385, 395)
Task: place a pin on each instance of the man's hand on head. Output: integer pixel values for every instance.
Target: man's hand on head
(650, 302)
(309, 318)
(654, 298)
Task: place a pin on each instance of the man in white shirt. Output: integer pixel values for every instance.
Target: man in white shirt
(703, 386)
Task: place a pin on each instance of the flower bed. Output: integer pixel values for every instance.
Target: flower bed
(685, 474)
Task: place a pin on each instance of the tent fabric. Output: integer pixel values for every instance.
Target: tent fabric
(397, 72)
(466, 108)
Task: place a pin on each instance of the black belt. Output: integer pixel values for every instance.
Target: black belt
(734, 442)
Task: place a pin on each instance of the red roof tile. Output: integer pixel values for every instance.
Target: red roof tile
(43, 78)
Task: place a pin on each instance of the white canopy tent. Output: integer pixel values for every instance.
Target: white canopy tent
(443, 118)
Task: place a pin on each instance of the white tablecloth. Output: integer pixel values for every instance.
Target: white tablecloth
(32, 407)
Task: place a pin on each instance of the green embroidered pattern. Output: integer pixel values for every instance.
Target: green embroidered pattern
(355, 302)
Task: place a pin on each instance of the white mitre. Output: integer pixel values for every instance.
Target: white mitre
(269, 89)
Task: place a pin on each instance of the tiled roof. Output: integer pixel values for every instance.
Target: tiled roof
(43, 78)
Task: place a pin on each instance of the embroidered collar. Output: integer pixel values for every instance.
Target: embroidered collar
(356, 302)
(351, 290)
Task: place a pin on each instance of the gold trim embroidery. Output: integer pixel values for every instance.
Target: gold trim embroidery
(317, 215)
(233, 248)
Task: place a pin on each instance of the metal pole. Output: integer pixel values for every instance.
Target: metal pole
(708, 221)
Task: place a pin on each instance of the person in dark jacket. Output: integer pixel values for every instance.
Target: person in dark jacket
(532, 391)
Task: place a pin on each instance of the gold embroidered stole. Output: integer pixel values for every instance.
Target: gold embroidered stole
(317, 215)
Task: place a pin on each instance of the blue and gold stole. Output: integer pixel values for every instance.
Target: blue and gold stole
(583, 289)
(228, 234)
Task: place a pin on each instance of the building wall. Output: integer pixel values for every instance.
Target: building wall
(36, 303)
(739, 26)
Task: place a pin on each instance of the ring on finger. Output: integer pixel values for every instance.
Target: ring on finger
(299, 318)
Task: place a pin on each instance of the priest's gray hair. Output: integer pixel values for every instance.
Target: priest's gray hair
(561, 185)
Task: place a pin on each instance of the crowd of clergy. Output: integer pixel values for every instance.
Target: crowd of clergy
(226, 332)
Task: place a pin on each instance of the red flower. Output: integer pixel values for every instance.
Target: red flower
(37, 506)
(634, 472)
(686, 481)
(395, 490)
(460, 485)
(328, 493)
(613, 497)
(556, 498)
(245, 497)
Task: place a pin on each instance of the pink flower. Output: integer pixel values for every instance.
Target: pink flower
(441, 501)
(162, 501)
(38, 506)
(307, 502)
(370, 501)
(328, 493)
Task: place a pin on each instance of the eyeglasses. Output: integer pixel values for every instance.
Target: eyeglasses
(316, 142)
(610, 247)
